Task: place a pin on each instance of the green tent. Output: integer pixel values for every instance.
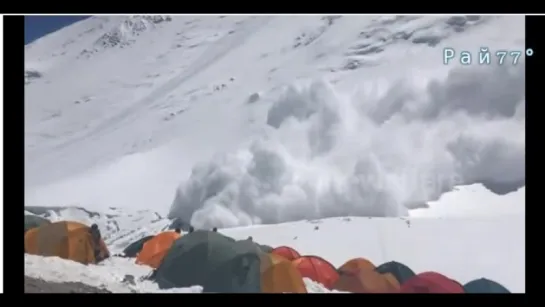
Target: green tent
(135, 247)
(266, 248)
(400, 271)
(484, 285)
(33, 221)
(211, 260)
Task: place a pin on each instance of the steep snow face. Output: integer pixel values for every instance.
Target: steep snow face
(126, 33)
(266, 119)
(394, 144)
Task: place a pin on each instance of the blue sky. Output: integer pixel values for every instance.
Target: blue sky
(38, 26)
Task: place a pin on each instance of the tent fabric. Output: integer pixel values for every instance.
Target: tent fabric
(401, 272)
(279, 275)
(392, 280)
(286, 252)
(263, 248)
(356, 265)
(135, 247)
(483, 285)
(366, 281)
(317, 269)
(155, 249)
(213, 261)
(67, 240)
(31, 240)
(266, 248)
(431, 282)
(358, 275)
(34, 221)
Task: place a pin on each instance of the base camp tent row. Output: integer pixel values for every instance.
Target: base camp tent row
(221, 264)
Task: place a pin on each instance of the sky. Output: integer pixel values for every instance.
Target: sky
(38, 26)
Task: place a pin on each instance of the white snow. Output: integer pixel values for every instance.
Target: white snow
(106, 275)
(244, 120)
(475, 201)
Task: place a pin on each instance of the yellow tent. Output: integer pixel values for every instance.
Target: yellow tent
(67, 240)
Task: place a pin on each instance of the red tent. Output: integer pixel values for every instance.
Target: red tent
(431, 282)
(317, 269)
(286, 252)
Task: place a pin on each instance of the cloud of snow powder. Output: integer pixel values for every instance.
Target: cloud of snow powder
(370, 154)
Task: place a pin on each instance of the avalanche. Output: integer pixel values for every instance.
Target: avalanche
(258, 124)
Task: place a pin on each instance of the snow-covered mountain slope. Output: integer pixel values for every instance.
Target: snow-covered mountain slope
(237, 120)
(462, 248)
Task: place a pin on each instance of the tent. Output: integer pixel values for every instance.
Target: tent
(358, 275)
(279, 275)
(266, 248)
(401, 272)
(33, 221)
(135, 247)
(356, 265)
(213, 261)
(67, 240)
(286, 252)
(317, 269)
(155, 249)
(483, 285)
(263, 248)
(431, 282)
(366, 281)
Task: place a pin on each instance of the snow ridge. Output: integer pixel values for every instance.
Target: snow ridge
(126, 33)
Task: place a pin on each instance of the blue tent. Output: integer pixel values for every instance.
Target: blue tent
(400, 271)
(134, 248)
(484, 285)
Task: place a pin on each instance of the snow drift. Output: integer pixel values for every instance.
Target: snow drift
(373, 153)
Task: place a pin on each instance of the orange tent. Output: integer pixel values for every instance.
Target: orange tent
(358, 275)
(155, 249)
(317, 269)
(356, 265)
(286, 252)
(279, 275)
(67, 240)
(366, 281)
